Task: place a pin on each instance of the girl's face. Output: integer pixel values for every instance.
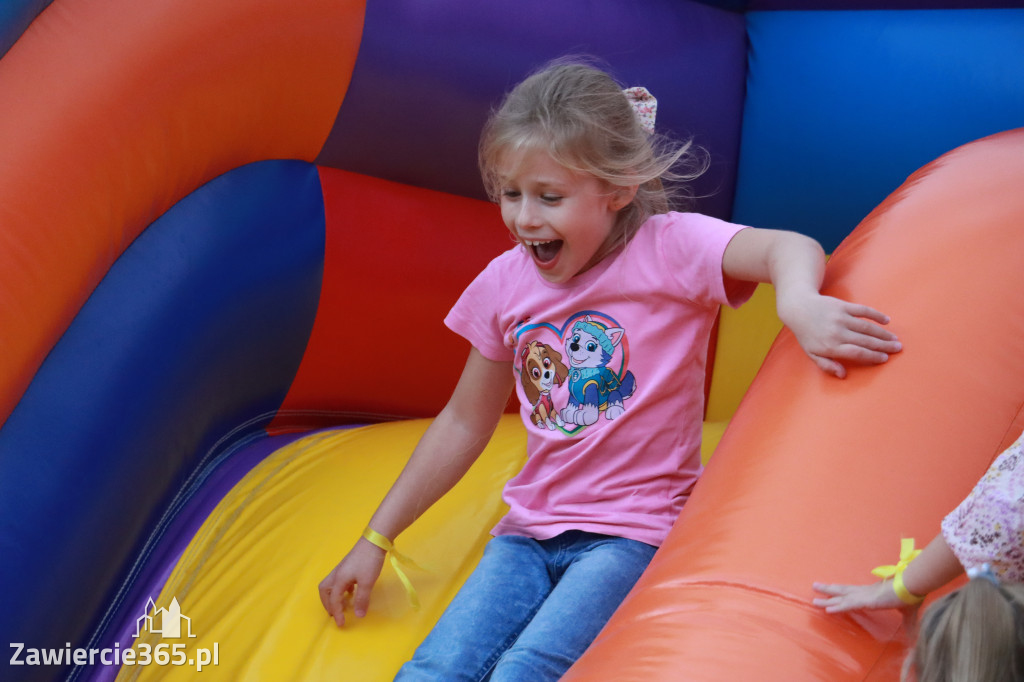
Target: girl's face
(563, 219)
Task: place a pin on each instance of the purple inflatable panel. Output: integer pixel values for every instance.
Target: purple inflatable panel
(450, 62)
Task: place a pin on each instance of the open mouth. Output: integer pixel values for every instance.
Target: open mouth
(544, 251)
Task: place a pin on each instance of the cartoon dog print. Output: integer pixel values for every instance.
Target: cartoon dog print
(542, 369)
(593, 388)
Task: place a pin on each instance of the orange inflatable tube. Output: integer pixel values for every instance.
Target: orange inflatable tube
(112, 114)
(818, 479)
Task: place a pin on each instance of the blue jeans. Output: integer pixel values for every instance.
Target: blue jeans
(530, 608)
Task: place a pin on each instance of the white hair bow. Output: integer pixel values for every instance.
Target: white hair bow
(645, 106)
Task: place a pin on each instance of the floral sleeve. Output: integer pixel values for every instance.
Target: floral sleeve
(988, 526)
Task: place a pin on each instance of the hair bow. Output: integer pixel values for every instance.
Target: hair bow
(984, 572)
(645, 106)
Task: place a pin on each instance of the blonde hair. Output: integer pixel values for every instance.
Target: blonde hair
(579, 115)
(975, 634)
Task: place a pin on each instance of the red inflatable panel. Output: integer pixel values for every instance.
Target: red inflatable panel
(397, 258)
(817, 478)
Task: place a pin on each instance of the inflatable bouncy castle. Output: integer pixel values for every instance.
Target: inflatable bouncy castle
(229, 232)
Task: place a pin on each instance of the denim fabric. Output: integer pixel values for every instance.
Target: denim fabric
(530, 608)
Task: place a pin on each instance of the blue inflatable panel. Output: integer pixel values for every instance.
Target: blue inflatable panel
(843, 106)
(184, 351)
(428, 74)
(15, 16)
(756, 5)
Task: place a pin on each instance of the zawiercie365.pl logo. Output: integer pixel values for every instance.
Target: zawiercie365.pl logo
(169, 623)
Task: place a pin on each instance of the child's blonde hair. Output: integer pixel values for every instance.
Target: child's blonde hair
(975, 634)
(580, 116)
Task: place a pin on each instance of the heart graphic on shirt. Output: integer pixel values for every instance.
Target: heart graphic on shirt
(574, 375)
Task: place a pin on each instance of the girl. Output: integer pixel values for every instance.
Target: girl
(620, 295)
(975, 634)
(987, 528)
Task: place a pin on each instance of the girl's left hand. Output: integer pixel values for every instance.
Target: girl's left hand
(841, 598)
(831, 330)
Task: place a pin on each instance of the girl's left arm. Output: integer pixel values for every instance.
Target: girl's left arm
(936, 566)
(830, 330)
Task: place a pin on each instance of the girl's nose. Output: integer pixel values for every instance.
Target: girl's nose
(527, 217)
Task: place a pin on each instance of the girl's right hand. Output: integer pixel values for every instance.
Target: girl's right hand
(352, 579)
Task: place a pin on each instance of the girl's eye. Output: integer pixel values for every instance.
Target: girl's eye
(551, 198)
(509, 194)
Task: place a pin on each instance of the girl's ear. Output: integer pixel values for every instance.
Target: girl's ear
(623, 197)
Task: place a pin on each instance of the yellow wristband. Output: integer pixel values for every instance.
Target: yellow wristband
(905, 595)
(397, 558)
(907, 554)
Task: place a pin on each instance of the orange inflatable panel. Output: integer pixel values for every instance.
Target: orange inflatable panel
(115, 110)
(817, 478)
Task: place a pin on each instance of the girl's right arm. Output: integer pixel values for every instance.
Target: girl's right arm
(451, 444)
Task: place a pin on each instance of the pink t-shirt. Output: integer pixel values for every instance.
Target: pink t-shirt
(610, 376)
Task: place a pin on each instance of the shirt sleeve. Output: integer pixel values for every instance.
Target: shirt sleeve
(475, 315)
(988, 526)
(692, 247)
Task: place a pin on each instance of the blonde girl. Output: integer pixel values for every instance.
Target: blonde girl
(619, 295)
(975, 634)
